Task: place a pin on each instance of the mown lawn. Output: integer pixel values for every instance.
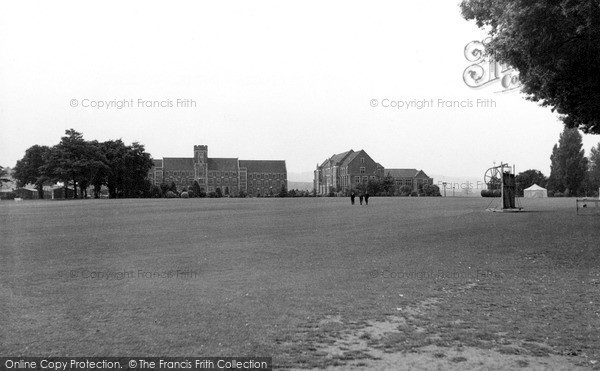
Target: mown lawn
(263, 277)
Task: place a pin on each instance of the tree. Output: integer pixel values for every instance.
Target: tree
(3, 176)
(29, 169)
(164, 188)
(528, 178)
(283, 192)
(66, 161)
(568, 164)
(388, 185)
(155, 192)
(373, 187)
(593, 176)
(405, 190)
(554, 46)
(128, 168)
(431, 190)
(198, 191)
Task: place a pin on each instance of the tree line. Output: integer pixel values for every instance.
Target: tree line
(79, 163)
(571, 172)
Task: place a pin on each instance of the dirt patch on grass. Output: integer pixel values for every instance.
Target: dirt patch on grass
(375, 347)
(464, 358)
(403, 342)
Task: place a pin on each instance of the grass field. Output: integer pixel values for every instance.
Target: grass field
(314, 283)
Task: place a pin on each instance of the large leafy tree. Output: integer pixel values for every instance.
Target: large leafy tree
(568, 164)
(90, 167)
(30, 169)
(128, 168)
(555, 47)
(528, 178)
(66, 161)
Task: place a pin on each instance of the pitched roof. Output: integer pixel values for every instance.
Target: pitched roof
(421, 174)
(264, 166)
(222, 163)
(178, 163)
(535, 187)
(402, 173)
(336, 159)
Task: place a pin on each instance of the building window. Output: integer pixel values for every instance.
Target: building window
(362, 160)
(357, 179)
(362, 170)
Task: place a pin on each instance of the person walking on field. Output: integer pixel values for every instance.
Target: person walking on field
(352, 197)
(367, 198)
(360, 197)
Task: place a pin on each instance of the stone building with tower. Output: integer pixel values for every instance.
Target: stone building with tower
(231, 175)
(345, 171)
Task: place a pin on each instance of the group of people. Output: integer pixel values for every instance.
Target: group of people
(360, 198)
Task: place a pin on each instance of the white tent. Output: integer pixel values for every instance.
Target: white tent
(535, 191)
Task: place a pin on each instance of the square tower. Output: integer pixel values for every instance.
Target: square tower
(201, 166)
(200, 154)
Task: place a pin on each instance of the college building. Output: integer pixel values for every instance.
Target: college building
(347, 170)
(231, 175)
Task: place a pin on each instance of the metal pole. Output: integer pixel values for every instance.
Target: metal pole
(502, 183)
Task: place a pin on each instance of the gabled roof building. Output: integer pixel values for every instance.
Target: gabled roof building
(230, 175)
(346, 170)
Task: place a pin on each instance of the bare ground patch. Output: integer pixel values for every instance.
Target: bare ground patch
(389, 344)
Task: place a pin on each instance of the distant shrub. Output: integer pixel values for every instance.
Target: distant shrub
(171, 194)
(405, 190)
(184, 195)
(212, 195)
(8, 196)
(558, 194)
(414, 194)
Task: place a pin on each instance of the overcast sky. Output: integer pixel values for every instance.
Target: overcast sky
(265, 80)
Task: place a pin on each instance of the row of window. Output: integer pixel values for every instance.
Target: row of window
(266, 183)
(219, 181)
(266, 176)
(179, 173)
(222, 174)
(178, 180)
